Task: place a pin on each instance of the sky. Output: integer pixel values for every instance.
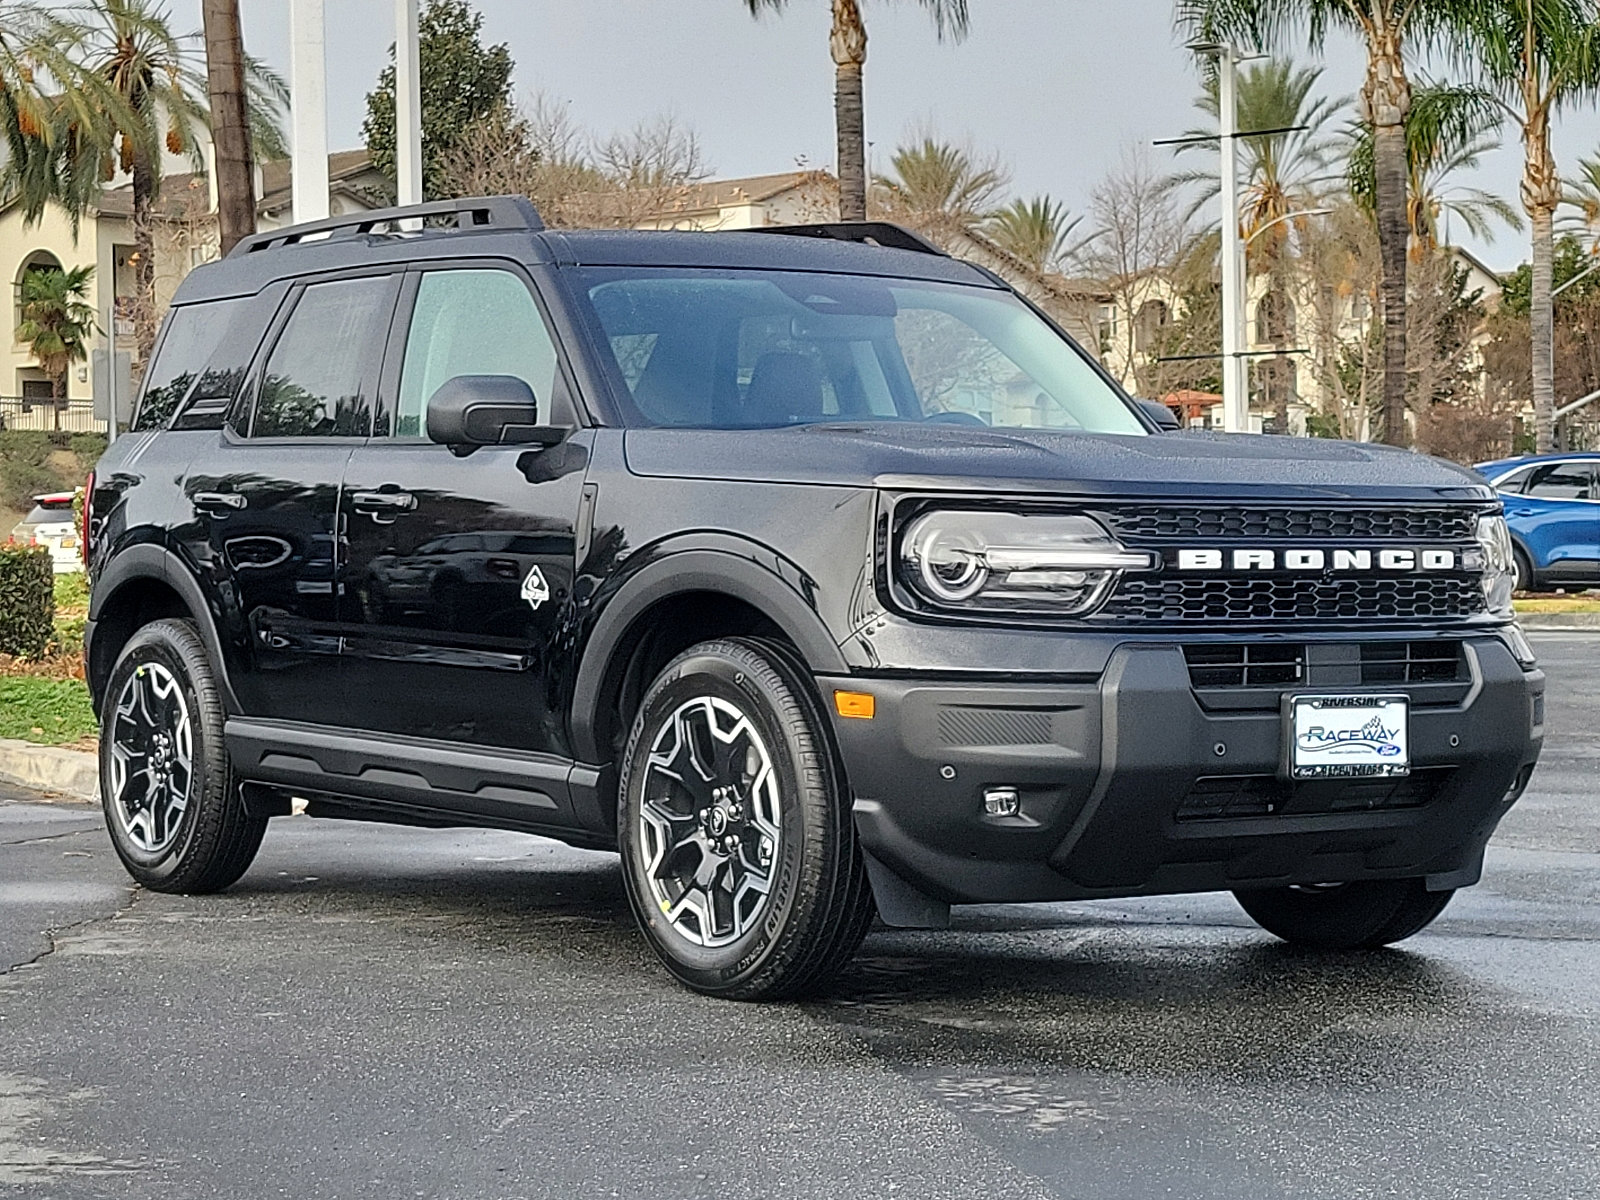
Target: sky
(1061, 90)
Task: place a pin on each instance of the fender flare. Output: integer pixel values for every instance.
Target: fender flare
(148, 561)
(731, 572)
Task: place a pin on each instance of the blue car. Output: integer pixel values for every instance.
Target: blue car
(1552, 504)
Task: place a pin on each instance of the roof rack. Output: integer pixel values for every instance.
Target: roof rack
(470, 212)
(872, 233)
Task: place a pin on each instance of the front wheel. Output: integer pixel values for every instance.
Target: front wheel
(738, 842)
(1345, 916)
(1524, 581)
(171, 799)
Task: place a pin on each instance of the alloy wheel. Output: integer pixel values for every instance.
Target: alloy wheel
(709, 823)
(152, 754)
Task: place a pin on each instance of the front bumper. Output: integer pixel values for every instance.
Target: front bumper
(1130, 785)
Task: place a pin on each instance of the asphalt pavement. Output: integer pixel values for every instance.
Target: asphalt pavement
(377, 1012)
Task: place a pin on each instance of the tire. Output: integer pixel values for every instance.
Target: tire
(190, 833)
(1525, 581)
(1346, 916)
(745, 876)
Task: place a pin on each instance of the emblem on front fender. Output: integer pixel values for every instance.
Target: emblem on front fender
(534, 589)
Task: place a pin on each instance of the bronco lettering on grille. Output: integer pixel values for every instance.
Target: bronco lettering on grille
(1392, 559)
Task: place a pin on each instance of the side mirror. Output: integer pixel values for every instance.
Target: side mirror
(488, 410)
(1166, 420)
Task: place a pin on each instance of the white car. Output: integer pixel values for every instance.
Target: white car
(50, 525)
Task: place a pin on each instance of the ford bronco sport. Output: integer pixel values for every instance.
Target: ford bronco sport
(817, 572)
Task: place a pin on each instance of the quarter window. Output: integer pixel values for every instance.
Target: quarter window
(193, 334)
(472, 323)
(323, 372)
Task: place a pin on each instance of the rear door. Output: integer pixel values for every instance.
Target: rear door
(457, 595)
(267, 501)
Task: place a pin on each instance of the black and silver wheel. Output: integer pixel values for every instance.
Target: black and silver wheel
(737, 838)
(1345, 916)
(171, 801)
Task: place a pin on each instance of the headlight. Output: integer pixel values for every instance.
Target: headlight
(1057, 566)
(1499, 567)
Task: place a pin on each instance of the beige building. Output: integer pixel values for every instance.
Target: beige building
(186, 235)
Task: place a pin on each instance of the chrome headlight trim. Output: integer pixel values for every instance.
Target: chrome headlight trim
(1499, 565)
(978, 562)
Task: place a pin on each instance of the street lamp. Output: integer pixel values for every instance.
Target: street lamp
(1235, 401)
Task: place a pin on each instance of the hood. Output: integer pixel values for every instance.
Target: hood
(956, 457)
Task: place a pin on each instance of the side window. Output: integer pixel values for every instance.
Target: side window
(1515, 481)
(191, 339)
(323, 373)
(472, 322)
(1560, 481)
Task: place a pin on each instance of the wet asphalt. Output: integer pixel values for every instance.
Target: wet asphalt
(390, 1013)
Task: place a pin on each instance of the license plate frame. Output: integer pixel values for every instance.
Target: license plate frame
(1351, 735)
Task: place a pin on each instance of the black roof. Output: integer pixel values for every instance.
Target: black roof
(506, 227)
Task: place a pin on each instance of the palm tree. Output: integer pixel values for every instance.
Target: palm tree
(53, 114)
(1290, 168)
(230, 128)
(1385, 27)
(1448, 130)
(160, 80)
(1583, 196)
(938, 186)
(848, 43)
(1537, 56)
(57, 323)
(1038, 232)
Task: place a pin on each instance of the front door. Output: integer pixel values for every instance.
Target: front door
(1556, 512)
(268, 500)
(457, 592)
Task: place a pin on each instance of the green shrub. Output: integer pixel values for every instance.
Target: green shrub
(24, 468)
(88, 447)
(27, 600)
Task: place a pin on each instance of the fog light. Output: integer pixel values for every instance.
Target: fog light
(1001, 802)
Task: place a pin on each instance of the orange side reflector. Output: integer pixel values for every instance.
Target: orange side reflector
(854, 704)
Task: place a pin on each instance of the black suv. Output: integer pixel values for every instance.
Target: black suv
(815, 570)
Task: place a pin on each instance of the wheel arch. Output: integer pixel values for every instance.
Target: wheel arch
(675, 601)
(142, 584)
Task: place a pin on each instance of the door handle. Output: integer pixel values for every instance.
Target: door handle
(383, 507)
(219, 503)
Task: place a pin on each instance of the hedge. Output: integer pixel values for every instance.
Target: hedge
(27, 600)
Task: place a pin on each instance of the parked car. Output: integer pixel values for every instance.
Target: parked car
(50, 523)
(1552, 504)
(814, 570)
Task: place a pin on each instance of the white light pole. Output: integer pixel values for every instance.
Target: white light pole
(1235, 398)
(308, 84)
(407, 103)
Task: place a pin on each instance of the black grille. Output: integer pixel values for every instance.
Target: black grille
(1268, 665)
(1294, 598)
(1344, 524)
(1410, 662)
(1245, 665)
(1220, 796)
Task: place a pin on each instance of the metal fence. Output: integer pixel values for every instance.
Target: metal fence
(72, 416)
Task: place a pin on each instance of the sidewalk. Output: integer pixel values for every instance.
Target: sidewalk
(67, 774)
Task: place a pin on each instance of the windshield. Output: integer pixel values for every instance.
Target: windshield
(756, 349)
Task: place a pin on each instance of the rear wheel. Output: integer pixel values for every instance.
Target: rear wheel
(171, 800)
(738, 841)
(1345, 916)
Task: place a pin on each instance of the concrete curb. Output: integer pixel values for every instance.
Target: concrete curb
(1545, 621)
(72, 774)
